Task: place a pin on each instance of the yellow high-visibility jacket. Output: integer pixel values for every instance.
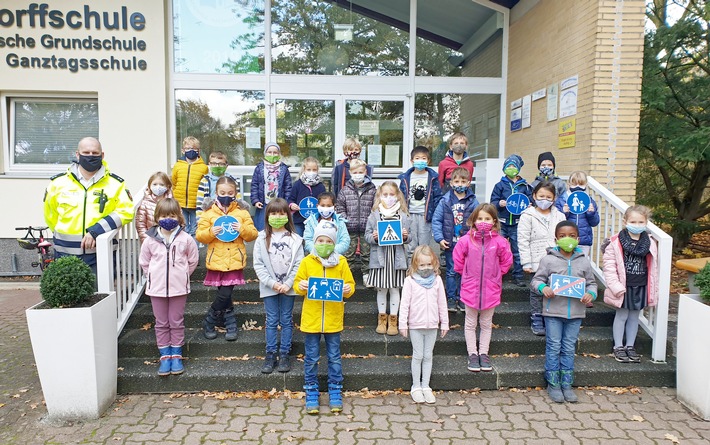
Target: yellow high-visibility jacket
(71, 210)
(186, 179)
(323, 316)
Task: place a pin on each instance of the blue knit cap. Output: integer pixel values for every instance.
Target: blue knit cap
(514, 160)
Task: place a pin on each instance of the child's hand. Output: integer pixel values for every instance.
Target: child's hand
(236, 226)
(587, 298)
(346, 288)
(216, 230)
(303, 285)
(444, 244)
(528, 270)
(403, 333)
(590, 209)
(565, 208)
(259, 205)
(444, 332)
(374, 236)
(405, 233)
(502, 203)
(293, 207)
(548, 292)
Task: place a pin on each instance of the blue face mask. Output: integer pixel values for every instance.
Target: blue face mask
(169, 224)
(547, 171)
(420, 165)
(225, 200)
(460, 188)
(577, 189)
(191, 154)
(636, 229)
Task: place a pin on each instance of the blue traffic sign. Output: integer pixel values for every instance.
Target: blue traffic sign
(228, 234)
(568, 286)
(389, 233)
(325, 289)
(517, 203)
(308, 206)
(578, 202)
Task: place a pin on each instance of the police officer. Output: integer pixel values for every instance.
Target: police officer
(84, 202)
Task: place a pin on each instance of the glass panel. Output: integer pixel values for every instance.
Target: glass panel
(379, 126)
(437, 116)
(229, 121)
(340, 37)
(305, 128)
(48, 132)
(218, 36)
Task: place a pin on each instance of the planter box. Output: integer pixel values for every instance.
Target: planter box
(692, 382)
(76, 352)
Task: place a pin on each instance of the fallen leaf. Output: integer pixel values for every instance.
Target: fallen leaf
(638, 418)
(146, 327)
(33, 406)
(589, 354)
(244, 357)
(119, 368)
(461, 403)
(23, 390)
(511, 355)
(1, 405)
(15, 396)
(453, 416)
(672, 438)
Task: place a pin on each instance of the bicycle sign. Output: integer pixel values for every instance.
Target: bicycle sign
(325, 289)
(568, 286)
(517, 203)
(578, 202)
(308, 206)
(228, 234)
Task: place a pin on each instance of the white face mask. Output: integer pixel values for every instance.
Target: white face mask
(358, 177)
(326, 212)
(310, 175)
(158, 190)
(389, 200)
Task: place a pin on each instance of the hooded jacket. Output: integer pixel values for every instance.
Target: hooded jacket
(560, 186)
(354, 205)
(262, 264)
(615, 274)
(433, 190)
(168, 267)
(258, 181)
(577, 265)
(447, 166)
(145, 212)
(536, 234)
(341, 245)
(443, 226)
(482, 260)
(585, 222)
(186, 179)
(221, 256)
(341, 175)
(502, 191)
(377, 253)
(422, 308)
(300, 191)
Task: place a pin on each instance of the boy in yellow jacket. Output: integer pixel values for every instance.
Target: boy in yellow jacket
(186, 175)
(323, 317)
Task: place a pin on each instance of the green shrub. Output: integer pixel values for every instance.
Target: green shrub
(702, 280)
(67, 281)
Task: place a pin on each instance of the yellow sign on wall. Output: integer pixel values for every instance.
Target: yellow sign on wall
(567, 133)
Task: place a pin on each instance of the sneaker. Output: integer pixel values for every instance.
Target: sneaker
(284, 363)
(632, 355)
(451, 305)
(461, 306)
(417, 395)
(473, 363)
(620, 355)
(485, 362)
(428, 396)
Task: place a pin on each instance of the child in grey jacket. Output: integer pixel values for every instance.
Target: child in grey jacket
(563, 314)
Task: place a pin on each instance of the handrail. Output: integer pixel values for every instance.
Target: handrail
(654, 320)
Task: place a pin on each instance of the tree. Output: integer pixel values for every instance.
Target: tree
(674, 135)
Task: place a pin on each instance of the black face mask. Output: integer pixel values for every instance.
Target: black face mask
(90, 163)
(225, 200)
(191, 154)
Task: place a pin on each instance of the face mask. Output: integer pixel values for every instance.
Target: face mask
(458, 149)
(577, 189)
(547, 171)
(218, 171)
(158, 190)
(225, 200)
(483, 226)
(511, 171)
(277, 221)
(169, 224)
(353, 155)
(420, 165)
(567, 243)
(460, 188)
(544, 204)
(310, 175)
(272, 159)
(90, 163)
(324, 250)
(426, 272)
(636, 229)
(326, 212)
(389, 200)
(358, 177)
(191, 154)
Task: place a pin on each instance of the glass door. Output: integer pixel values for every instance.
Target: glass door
(379, 126)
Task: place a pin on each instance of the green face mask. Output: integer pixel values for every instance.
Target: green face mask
(567, 243)
(272, 159)
(324, 250)
(218, 171)
(511, 171)
(277, 221)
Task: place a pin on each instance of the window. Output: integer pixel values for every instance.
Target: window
(44, 132)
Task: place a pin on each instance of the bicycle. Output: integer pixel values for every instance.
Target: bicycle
(32, 242)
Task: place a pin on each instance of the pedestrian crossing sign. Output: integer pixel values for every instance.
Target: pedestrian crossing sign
(325, 289)
(389, 233)
(568, 286)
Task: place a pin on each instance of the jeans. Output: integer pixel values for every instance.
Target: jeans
(279, 312)
(560, 341)
(190, 216)
(511, 233)
(453, 279)
(310, 360)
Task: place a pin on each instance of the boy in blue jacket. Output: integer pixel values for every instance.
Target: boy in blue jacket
(511, 183)
(420, 186)
(577, 182)
(449, 224)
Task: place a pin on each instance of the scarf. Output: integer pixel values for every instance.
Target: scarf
(329, 262)
(427, 283)
(391, 212)
(272, 167)
(639, 248)
(310, 182)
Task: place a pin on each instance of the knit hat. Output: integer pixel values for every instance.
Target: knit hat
(547, 156)
(271, 144)
(515, 161)
(325, 228)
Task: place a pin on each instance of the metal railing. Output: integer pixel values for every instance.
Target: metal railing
(117, 254)
(654, 320)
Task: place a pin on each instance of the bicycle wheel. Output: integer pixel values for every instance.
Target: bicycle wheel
(46, 258)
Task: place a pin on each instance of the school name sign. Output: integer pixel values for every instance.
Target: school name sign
(89, 53)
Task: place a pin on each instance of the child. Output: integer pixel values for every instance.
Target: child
(341, 172)
(187, 174)
(536, 232)
(308, 185)
(546, 166)
(323, 318)
(207, 190)
(482, 258)
(354, 205)
(388, 264)
(326, 212)
(448, 226)
(271, 180)
(456, 157)
(422, 313)
(563, 315)
(590, 218)
(225, 260)
(168, 258)
(631, 274)
(278, 252)
(422, 192)
(511, 183)
(158, 188)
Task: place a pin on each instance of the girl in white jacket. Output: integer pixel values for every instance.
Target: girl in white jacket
(536, 232)
(422, 313)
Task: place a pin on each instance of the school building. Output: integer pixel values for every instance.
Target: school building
(516, 76)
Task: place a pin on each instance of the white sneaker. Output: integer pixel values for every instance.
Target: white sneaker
(417, 395)
(428, 395)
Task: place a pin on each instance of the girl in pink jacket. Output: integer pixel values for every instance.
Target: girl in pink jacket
(631, 274)
(422, 312)
(482, 258)
(168, 258)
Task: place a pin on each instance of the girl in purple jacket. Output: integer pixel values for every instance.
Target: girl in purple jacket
(168, 258)
(482, 258)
